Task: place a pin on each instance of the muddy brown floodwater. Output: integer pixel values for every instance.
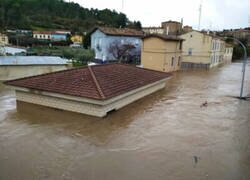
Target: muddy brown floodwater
(167, 135)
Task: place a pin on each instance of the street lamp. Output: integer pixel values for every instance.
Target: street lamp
(244, 65)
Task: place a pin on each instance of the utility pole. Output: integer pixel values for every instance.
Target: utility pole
(123, 6)
(200, 10)
(243, 66)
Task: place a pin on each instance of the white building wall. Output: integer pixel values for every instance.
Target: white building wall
(101, 43)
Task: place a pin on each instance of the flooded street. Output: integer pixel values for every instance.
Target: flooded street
(167, 135)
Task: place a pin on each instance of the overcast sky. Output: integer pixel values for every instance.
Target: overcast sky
(216, 14)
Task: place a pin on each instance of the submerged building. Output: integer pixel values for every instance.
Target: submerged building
(12, 67)
(161, 52)
(93, 90)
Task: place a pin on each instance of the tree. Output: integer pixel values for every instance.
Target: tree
(56, 14)
(121, 52)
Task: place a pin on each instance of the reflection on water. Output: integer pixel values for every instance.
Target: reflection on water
(167, 135)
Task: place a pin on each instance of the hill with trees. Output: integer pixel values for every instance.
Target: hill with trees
(58, 14)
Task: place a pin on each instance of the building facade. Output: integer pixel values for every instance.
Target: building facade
(58, 35)
(201, 50)
(108, 43)
(12, 67)
(196, 50)
(161, 53)
(4, 40)
(172, 27)
(77, 39)
(217, 52)
(42, 35)
(228, 54)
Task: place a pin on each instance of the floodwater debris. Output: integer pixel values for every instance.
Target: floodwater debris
(205, 104)
(196, 160)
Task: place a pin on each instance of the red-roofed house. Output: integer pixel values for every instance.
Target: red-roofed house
(90, 90)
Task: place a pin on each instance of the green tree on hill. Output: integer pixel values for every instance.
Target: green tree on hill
(57, 14)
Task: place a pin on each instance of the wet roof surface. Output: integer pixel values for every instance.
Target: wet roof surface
(96, 82)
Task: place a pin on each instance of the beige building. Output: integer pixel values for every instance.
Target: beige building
(196, 49)
(172, 27)
(201, 50)
(217, 51)
(4, 40)
(228, 54)
(161, 53)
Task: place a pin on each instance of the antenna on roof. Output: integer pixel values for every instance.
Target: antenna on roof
(122, 5)
(200, 10)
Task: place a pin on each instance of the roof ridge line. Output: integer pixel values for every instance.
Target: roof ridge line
(98, 87)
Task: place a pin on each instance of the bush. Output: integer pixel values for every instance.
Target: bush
(79, 56)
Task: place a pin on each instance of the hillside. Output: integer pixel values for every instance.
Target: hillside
(57, 14)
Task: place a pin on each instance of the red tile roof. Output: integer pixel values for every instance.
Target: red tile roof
(96, 82)
(164, 37)
(120, 31)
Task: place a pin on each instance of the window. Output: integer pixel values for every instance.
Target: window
(190, 51)
(180, 45)
(179, 61)
(172, 61)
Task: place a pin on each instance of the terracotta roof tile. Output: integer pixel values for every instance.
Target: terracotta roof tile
(120, 31)
(164, 37)
(96, 82)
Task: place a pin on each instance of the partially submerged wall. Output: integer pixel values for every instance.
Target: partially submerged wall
(8, 72)
(87, 106)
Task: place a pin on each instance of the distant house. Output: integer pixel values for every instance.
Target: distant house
(78, 39)
(90, 90)
(161, 53)
(42, 35)
(57, 35)
(4, 40)
(110, 44)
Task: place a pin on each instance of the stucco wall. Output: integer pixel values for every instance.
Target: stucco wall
(157, 54)
(19, 71)
(89, 107)
(228, 55)
(99, 39)
(200, 45)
